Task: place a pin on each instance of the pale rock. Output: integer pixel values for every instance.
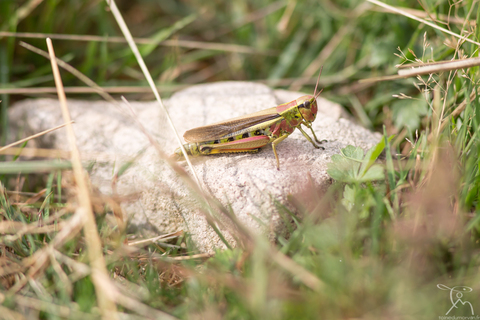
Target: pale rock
(248, 184)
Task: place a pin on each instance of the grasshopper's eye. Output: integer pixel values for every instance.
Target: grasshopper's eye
(307, 104)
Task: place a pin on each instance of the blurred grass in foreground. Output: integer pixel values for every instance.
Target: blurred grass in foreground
(377, 247)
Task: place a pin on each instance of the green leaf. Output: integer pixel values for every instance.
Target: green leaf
(354, 153)
(373, 154)
(351, 165)
(343, 169)
(348, 197)
(408, 112)
(376, 172)
(389, 163)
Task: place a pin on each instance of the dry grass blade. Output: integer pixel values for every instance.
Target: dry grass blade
(72, 70)
(8, 314)
(411, 16)
(455, 113)
(40, 258)
(424, 64)
(428, 68)
(440, 67)
(195, 186)
(142, 309)
(34, 136)
(60, 272)
(126, 32)
(58, 310)
(287, 14)
(384, 78)
(305, 276)
(337, 78)
(33, 264)
(167, 43)
(162, 238)
(130, 303)
(88, 90)
(92, 239)
(80, 269)
(423, 14)
(37, 152)
(193, 256)
(19, 228)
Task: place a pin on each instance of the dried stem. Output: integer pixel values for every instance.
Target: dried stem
(94, 245)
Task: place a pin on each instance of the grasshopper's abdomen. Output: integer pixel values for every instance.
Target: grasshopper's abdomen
(190, 148)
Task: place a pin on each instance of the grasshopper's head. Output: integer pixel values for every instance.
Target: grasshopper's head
(307, 105)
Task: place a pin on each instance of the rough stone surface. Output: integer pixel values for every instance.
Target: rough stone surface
(246, 183)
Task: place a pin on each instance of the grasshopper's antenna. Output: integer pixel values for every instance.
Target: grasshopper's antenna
(316, 86)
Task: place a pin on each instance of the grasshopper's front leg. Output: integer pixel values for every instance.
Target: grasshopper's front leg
(310, 139)
(308, 125)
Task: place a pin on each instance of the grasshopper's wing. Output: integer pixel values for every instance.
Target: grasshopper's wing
(232, 127)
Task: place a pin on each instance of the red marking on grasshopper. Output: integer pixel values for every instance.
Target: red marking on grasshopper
(282, 127)
(284, 107)
(249, 139)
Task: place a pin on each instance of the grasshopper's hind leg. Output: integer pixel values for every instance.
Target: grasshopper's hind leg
(249, 145)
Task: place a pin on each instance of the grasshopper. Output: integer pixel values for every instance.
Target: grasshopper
(250, 132)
